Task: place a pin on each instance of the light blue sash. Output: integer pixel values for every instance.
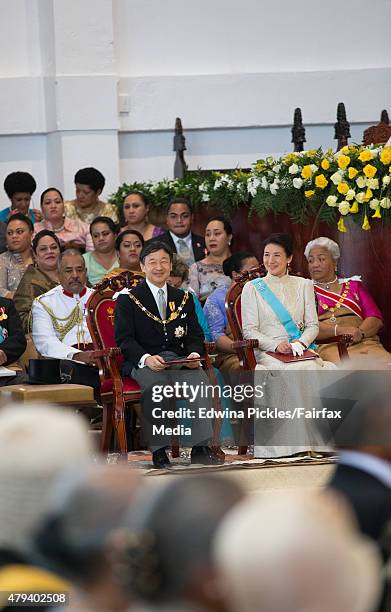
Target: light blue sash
(279, 309)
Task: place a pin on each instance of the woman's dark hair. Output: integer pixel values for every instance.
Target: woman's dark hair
(42, 234)
(21, 217)
(121, 208)
(223, 220)
(234, 263)
(47, 191)
(121, 236)
(91, 177)
(283, 240)
(153, 247)
(19, 182)
(179, 268)
(107, 221)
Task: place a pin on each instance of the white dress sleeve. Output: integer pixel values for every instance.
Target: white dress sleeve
(311, 323)
(252, 323)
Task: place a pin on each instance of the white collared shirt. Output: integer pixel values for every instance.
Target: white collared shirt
(155, 290)
(186, 239)
(375, 466)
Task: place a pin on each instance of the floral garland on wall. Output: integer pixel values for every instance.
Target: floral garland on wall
(353, 182)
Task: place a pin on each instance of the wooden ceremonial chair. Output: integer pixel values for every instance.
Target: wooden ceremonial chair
(377, 134)
(245, 347)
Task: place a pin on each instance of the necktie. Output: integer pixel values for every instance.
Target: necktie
(184, 252)
(161, 303)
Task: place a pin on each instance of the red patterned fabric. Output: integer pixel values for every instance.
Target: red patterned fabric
(104, 317)
(129, 385)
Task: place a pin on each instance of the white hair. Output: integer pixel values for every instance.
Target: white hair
(326, 243)
(296, 552)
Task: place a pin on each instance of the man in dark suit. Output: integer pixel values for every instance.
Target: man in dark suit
(179, 237)
(12, 342)
(363, 472)
(156, 323)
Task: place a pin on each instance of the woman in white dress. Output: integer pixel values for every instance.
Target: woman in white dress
(280, 312)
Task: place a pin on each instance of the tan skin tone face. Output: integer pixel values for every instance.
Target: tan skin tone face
(103, 238)
(20, 202)
(86, 197)
(321, 265)
(53, 208)
(247, 264)
(18, 236)
(157, 267)
(216, 238)
(47, 253)
(129, 252)
(175, 281)
(276, 260)
(179, 219)
(73, 273)
(134, 210)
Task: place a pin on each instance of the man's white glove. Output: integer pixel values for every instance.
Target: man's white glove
(297, 349)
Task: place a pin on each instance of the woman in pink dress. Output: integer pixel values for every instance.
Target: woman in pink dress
(70, 232)
(344, 306)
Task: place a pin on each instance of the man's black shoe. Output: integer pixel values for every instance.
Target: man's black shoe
(160, 459)
(203, 455)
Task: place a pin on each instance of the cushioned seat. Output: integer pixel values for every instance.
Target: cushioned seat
(57, 394)
(129, 385)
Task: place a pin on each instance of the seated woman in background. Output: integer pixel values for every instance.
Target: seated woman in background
(19, 187)
(70, 232)
(344, 305)
(87, 206)
(18, 255)
(134, 215)
(128, 245)
(216, 315)
(39, 277)
(103, 258)
(207, 274)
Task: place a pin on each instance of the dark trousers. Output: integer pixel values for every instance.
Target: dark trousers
(152, 384)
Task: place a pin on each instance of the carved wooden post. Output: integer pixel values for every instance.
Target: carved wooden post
(298, 131)
(180, 166)
(342, 127)
(384, 117)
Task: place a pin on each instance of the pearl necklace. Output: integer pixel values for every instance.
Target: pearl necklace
(326, 284)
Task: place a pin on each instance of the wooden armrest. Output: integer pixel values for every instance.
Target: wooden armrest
(341, 338)
(107, 352)
(249, 344)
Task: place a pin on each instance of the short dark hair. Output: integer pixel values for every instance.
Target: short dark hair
(19, 182)
(109, 222)
(223, 220)
(235, 261)
(121, 236)
(283, 240)
(47, 191)
(20, 217)
(179, 200)
(91, 177)
(42, 234)
(152, 246)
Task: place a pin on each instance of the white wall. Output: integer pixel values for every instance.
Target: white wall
(233, 72)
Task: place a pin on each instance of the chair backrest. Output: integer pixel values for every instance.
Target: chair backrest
(101, 309)
(234, 313)
(377, 134)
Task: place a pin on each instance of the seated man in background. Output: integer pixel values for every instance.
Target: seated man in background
(12, 343)
(179, 237)
(156, 323)
(59, 325)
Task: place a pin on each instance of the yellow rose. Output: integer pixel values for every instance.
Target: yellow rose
(365, 226)
(345, 150)
(385, 156)
(343, 188)
(341, 225)
(354, 207)
(365, 155)
(309, 193)
(369, 170)
(321, 181)
(343, 161)
(312, 153)
(352, 172)
(368, 195)
(325, 164)
(306, 173)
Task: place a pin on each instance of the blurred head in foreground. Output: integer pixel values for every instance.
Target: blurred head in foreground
(36, 444)
(87, 505)
(295, 552)
(164, 554)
